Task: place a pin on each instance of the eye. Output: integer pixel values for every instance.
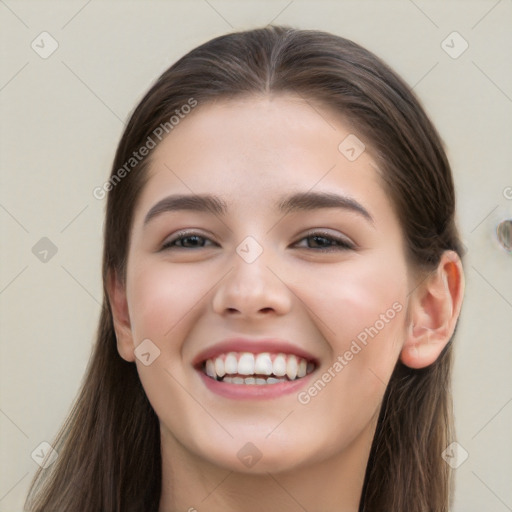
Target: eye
(187, 240)
(319, 241)
(325, 242)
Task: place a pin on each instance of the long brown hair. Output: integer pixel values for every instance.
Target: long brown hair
(109, 447)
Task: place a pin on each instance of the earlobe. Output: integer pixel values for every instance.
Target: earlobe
(121, 317)
(434, 308)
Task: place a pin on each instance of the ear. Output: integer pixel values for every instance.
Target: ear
(434, 308)
(116, 290)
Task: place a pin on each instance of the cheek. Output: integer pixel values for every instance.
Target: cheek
(164, 303)
(354, 295)
(161, 297)
(362, 311)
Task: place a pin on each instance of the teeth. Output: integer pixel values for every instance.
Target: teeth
(210, 368)
(249, 368)
(301, 371)
(263, 364)
(246, 364)
(279, 365)
(219, 367)
(272, 380)
(231, 364)
(291, 367)
(252, 380)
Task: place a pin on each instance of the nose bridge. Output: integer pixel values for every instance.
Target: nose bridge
(251, 287)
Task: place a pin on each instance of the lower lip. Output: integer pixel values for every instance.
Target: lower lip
(253, 391)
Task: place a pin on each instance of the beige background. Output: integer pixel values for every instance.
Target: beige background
(61, 118)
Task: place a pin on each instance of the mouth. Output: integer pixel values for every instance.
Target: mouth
(256, 369)
(260, 369)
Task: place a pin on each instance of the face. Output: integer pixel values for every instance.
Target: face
(275, 312)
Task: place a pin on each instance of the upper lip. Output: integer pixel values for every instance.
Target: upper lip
(254, 346)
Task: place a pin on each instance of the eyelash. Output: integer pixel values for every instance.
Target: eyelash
(343, 245)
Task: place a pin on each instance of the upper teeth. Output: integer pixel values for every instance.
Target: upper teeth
(247, 363)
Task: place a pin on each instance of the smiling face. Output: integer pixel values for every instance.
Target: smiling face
(284, 265)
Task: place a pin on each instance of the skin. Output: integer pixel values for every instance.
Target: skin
(250, 153)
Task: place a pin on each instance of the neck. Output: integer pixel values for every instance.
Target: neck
(190, 484)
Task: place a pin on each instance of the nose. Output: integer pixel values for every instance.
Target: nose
(252, 290)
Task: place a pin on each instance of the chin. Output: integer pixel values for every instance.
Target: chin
(258, 456)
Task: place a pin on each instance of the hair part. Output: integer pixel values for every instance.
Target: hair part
(109, 447)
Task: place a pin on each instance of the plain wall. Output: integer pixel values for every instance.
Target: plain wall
(61, 118)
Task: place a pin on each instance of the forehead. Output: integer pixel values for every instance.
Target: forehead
(260, 129)
(251, 150)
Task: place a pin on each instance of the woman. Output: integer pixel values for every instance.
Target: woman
(282, 283)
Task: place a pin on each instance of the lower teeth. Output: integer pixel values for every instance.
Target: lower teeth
(253, 380)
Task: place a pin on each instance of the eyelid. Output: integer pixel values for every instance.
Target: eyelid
(184, 233)
(344, 242)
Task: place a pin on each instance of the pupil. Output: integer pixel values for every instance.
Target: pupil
(320, 240)
(192, 240)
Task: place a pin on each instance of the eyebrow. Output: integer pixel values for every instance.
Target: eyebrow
(198, 203)
(302, 201)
